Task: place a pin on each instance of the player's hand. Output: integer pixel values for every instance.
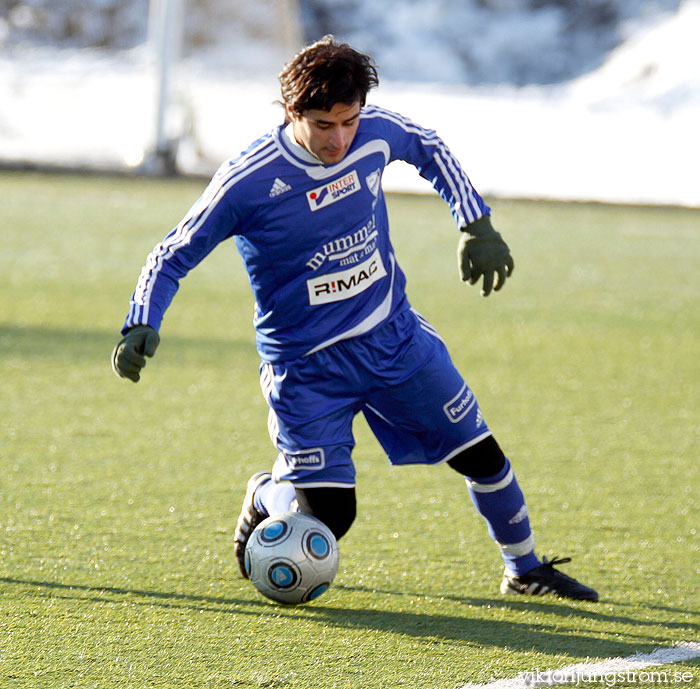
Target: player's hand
(482, 251)
(129, 356)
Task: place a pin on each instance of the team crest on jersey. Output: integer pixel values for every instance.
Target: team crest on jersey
(345, 284)
(337, 190)
(373, 181)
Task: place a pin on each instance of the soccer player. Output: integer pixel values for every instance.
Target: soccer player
(334, 328)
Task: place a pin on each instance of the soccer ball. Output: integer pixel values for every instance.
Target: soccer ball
(291, 558)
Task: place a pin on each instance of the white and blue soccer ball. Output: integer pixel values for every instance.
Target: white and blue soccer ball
(291, 558)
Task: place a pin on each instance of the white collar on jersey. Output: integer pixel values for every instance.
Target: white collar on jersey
(296, 148)
(298, 156)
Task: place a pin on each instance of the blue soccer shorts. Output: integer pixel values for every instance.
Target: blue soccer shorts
(400, 376)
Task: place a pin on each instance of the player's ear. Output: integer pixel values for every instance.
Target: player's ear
(291, 115)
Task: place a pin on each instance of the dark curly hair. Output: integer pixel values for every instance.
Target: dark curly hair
(326, 73)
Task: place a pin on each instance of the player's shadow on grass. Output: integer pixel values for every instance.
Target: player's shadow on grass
(486, 631)
(557, 607)
(562, 608)
(82, 593)
(88, 346)
(476, 631)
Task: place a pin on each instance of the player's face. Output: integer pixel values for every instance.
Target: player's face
(327, 133)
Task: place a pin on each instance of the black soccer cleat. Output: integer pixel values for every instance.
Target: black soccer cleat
(545, 579)
(248, 519)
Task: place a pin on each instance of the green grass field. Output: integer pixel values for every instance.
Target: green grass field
(118, 501)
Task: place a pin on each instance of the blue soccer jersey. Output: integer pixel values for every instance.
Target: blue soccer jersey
(314, 238)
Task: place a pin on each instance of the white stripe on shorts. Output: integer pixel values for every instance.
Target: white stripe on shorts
(466, 445)
(425, 325)
(267, 383)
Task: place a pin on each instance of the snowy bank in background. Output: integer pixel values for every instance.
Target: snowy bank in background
(626, 132)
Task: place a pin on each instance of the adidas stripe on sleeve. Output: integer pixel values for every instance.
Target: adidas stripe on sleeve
(427, 152)
(212, 219)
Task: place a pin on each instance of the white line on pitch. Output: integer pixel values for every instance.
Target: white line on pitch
(618, 668)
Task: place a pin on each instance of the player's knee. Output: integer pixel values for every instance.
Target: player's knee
(480, 460)
(335, 507)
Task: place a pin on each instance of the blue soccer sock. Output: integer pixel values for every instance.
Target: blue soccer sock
(499, 500)
(274, 498)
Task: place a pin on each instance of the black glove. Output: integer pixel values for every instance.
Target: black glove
(129, 356)
(482, 251)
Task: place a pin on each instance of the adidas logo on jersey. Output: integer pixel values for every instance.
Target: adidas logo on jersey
(279, 187)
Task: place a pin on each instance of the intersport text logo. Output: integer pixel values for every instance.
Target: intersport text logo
(345, 284)
(329, 193)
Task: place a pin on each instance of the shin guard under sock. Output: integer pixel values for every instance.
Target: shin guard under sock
(499, 500)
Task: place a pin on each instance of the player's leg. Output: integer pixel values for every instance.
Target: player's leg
(334, 504)
(335, 507)
(433, 417)
(313, 471)
(497, 497)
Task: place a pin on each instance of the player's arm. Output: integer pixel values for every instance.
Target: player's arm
(481, 250)
(211, 220)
